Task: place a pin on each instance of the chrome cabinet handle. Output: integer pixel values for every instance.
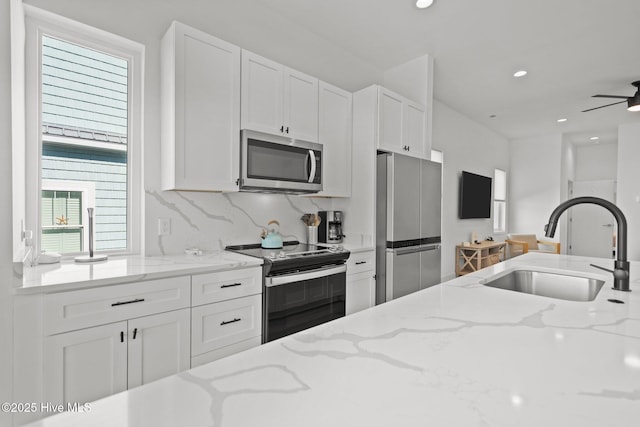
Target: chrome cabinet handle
(226, 322)
(360, 262)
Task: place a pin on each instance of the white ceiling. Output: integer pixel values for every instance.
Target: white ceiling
(572, 49)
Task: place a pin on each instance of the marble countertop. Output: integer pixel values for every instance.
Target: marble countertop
(70, 275)
(456, 354)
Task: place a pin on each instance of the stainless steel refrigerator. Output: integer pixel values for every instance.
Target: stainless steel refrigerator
(408, 225)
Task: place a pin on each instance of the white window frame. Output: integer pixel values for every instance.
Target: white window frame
(88, 191)
(499, 196)
(38, 23)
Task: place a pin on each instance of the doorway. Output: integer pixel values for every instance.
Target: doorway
(592, 229)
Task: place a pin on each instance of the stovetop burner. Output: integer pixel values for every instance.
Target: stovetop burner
(293, 255)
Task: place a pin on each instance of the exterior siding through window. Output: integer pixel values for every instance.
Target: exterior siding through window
(84, 117)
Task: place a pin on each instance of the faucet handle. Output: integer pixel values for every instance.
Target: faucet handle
(602, 268)
(618, 273)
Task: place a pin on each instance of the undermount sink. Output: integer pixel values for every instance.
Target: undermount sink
(552, 285)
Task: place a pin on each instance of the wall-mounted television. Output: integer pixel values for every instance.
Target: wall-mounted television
(475, 196)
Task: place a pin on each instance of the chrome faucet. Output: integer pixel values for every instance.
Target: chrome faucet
(621, 266)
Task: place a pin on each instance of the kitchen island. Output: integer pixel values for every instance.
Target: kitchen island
(456, 354)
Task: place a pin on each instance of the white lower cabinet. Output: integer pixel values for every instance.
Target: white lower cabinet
(85, 365)
(104, 340)
(361, 283)
(87, 344)
(360, 292)
(88, 364)
(158, 346)
(228, 315)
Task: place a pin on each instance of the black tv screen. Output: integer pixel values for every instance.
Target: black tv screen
(475, 196)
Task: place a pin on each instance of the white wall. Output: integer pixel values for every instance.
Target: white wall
(596, 162)
(567, 174)
(628, 196)
(6, 248)
(471, 147)
(536, 182)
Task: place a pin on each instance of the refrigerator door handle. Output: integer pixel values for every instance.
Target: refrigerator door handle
(432, 247)
(414, 249)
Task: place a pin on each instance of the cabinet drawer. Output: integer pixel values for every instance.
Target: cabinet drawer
(225, 285)
(66, 311)
(360, 262)
(214, 326)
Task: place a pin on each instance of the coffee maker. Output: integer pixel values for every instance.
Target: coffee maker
(330, 229)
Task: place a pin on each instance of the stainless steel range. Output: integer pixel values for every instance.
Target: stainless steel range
(303, 286)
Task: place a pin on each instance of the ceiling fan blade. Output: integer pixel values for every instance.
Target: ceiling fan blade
(609, 96)
(602, 106)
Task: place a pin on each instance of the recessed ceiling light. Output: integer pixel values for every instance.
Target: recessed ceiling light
(562, 120)
(520, 73)
(423, 4)
(594, 138)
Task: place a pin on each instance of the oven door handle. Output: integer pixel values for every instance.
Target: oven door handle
(307, 275)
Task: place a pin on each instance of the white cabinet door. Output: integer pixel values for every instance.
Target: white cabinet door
(415, 128)
(200, 111)
(390, 120)
(85, 365)
(360, 292)
(300, 105)
(402, 125)
(262, 94)
(159, 346)
(277, 99)
(335, 120)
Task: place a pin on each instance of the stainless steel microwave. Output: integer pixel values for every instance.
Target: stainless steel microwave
(277, 164)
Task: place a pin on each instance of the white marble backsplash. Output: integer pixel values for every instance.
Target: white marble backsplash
(211, 221)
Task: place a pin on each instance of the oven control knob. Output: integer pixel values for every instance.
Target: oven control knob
(282, 254)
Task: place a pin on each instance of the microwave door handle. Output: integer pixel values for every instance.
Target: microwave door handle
(312, 173)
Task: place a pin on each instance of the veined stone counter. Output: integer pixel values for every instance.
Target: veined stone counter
(70, 275)
(456, 354)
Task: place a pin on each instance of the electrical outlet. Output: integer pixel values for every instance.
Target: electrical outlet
(164, 226)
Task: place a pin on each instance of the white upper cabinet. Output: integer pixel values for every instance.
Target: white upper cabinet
(401, 124)
(335, 124)
(277, 99)
(300, 105)
(262, 94)
(200, 84)
(415, 122)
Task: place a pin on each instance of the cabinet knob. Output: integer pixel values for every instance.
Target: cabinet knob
(282, 129)
(287, 131)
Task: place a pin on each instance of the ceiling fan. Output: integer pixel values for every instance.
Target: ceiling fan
(633, 102)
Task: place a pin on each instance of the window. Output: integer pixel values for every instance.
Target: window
(84, 128)
(63, 215)
(499, 201)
